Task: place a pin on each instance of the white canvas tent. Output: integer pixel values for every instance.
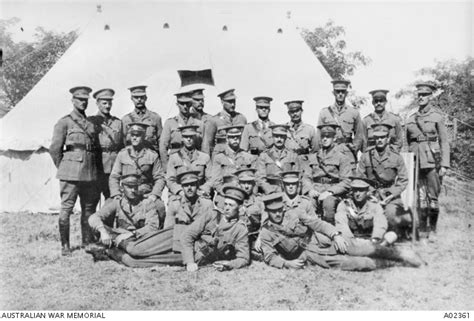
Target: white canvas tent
(251, 56)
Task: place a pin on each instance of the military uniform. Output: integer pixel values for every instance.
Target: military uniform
(226, 162)
(305, 237)
(301, 138)
(171, 140)
(148, 245)
(299, 203)
(257, 137)
(111, 142)
(214, 137)
(74, 150)
(396, 135)
(428, 139)
(154, 129)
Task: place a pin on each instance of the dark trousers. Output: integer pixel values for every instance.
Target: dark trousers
(89, 195)
(430, 185)
(103, 183)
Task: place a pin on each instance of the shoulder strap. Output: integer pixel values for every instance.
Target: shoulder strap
(83, 129)
(130, 220)
(135, 161)
(323, 167)
(108, 134)
(376, 175)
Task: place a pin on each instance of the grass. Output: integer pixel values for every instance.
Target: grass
(35, 277)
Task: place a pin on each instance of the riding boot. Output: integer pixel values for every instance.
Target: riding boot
(86, 231)
(64, 236)
(404, 255)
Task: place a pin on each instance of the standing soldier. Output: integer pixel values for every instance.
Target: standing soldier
(231, 157)
(428, 139)
(188, 157)
(329, 170)
(74, 150)
(351, 130)
(143, 115)
(302, 138)
(110, 136)
(257, 135)
(171, 140)
(214, 139)
(275, 160)
(197, 110)
(385, 167)
(380, 115)
(141, 160)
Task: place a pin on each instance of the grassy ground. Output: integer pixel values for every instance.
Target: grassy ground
(33, 276)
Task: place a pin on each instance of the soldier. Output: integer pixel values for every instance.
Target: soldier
(135, 240)
(141, 160)
(357, 216)
(290, 239)
(329, 170)
(302, 138)
(428, 139)
(252, 207)
(351, 130)
(291, 198)
(275, 160)
(110, 136)
(380, 115)
(214, 139)
(74, 150)
(143, 115)
(197, 110)
(231, 157)
(219, 238)
(257, 135)
(171, 140)
(385, 167)
(189, 157)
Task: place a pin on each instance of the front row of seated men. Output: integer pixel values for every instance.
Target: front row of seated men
(197, 232)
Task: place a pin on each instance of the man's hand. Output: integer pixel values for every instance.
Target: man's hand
(105, 237)
(294, 264)
(386, 200)
(191, 267)
(258, 244)
(324, 195)
(122, 237)
(313, 193)
(222, 266)
(442, 171)
(340, 244)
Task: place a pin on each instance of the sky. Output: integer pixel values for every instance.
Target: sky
(400, 37)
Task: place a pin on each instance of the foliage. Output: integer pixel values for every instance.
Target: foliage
(454, 80)
(328, 44)
(25, 63)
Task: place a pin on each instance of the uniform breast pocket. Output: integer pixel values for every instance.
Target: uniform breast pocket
(430, 127)
(76, 136)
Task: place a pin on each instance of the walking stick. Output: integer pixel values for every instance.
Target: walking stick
(416, 200)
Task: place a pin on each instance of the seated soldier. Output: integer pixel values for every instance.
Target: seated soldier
(252, 208)
(289, 239)
(329, 170)
(135, 239)
(188, 157)
(357, 216)
(139, 159)
(386, 168)
(291, 198)
(219, 238)
(272, 162)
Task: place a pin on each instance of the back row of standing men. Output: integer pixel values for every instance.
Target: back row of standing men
(91, 156)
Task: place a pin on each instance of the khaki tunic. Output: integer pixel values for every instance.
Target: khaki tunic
(171, 140)
(368, 221)
(257, 137)
(212, 230)
(432, 124)
(197, 161)
(301, 138)
(110, 138)
(251, 213)
(141, 218)
(213, 136)
(74, 148)
(396, 135)
(228, 161)
(299, 203)
(348, 118)
(389, 167)
(153, 131)
(181, 213)
(329, 170)
(149, 167)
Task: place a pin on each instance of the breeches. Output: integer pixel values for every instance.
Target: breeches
(430, 186)
(88, 194)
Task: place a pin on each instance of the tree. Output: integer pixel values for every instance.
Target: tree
(25, 63)
(455, 82)
(328, 44)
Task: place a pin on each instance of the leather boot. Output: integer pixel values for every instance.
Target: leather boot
(86, 231)
(433, 221)
(64, 235)
(404, 255)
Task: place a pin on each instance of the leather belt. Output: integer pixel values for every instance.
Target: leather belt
(178, 221)
(79, 147)
(423, 138)
(109, 149)
(175, 146)
(302, 151)
(326, 180)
